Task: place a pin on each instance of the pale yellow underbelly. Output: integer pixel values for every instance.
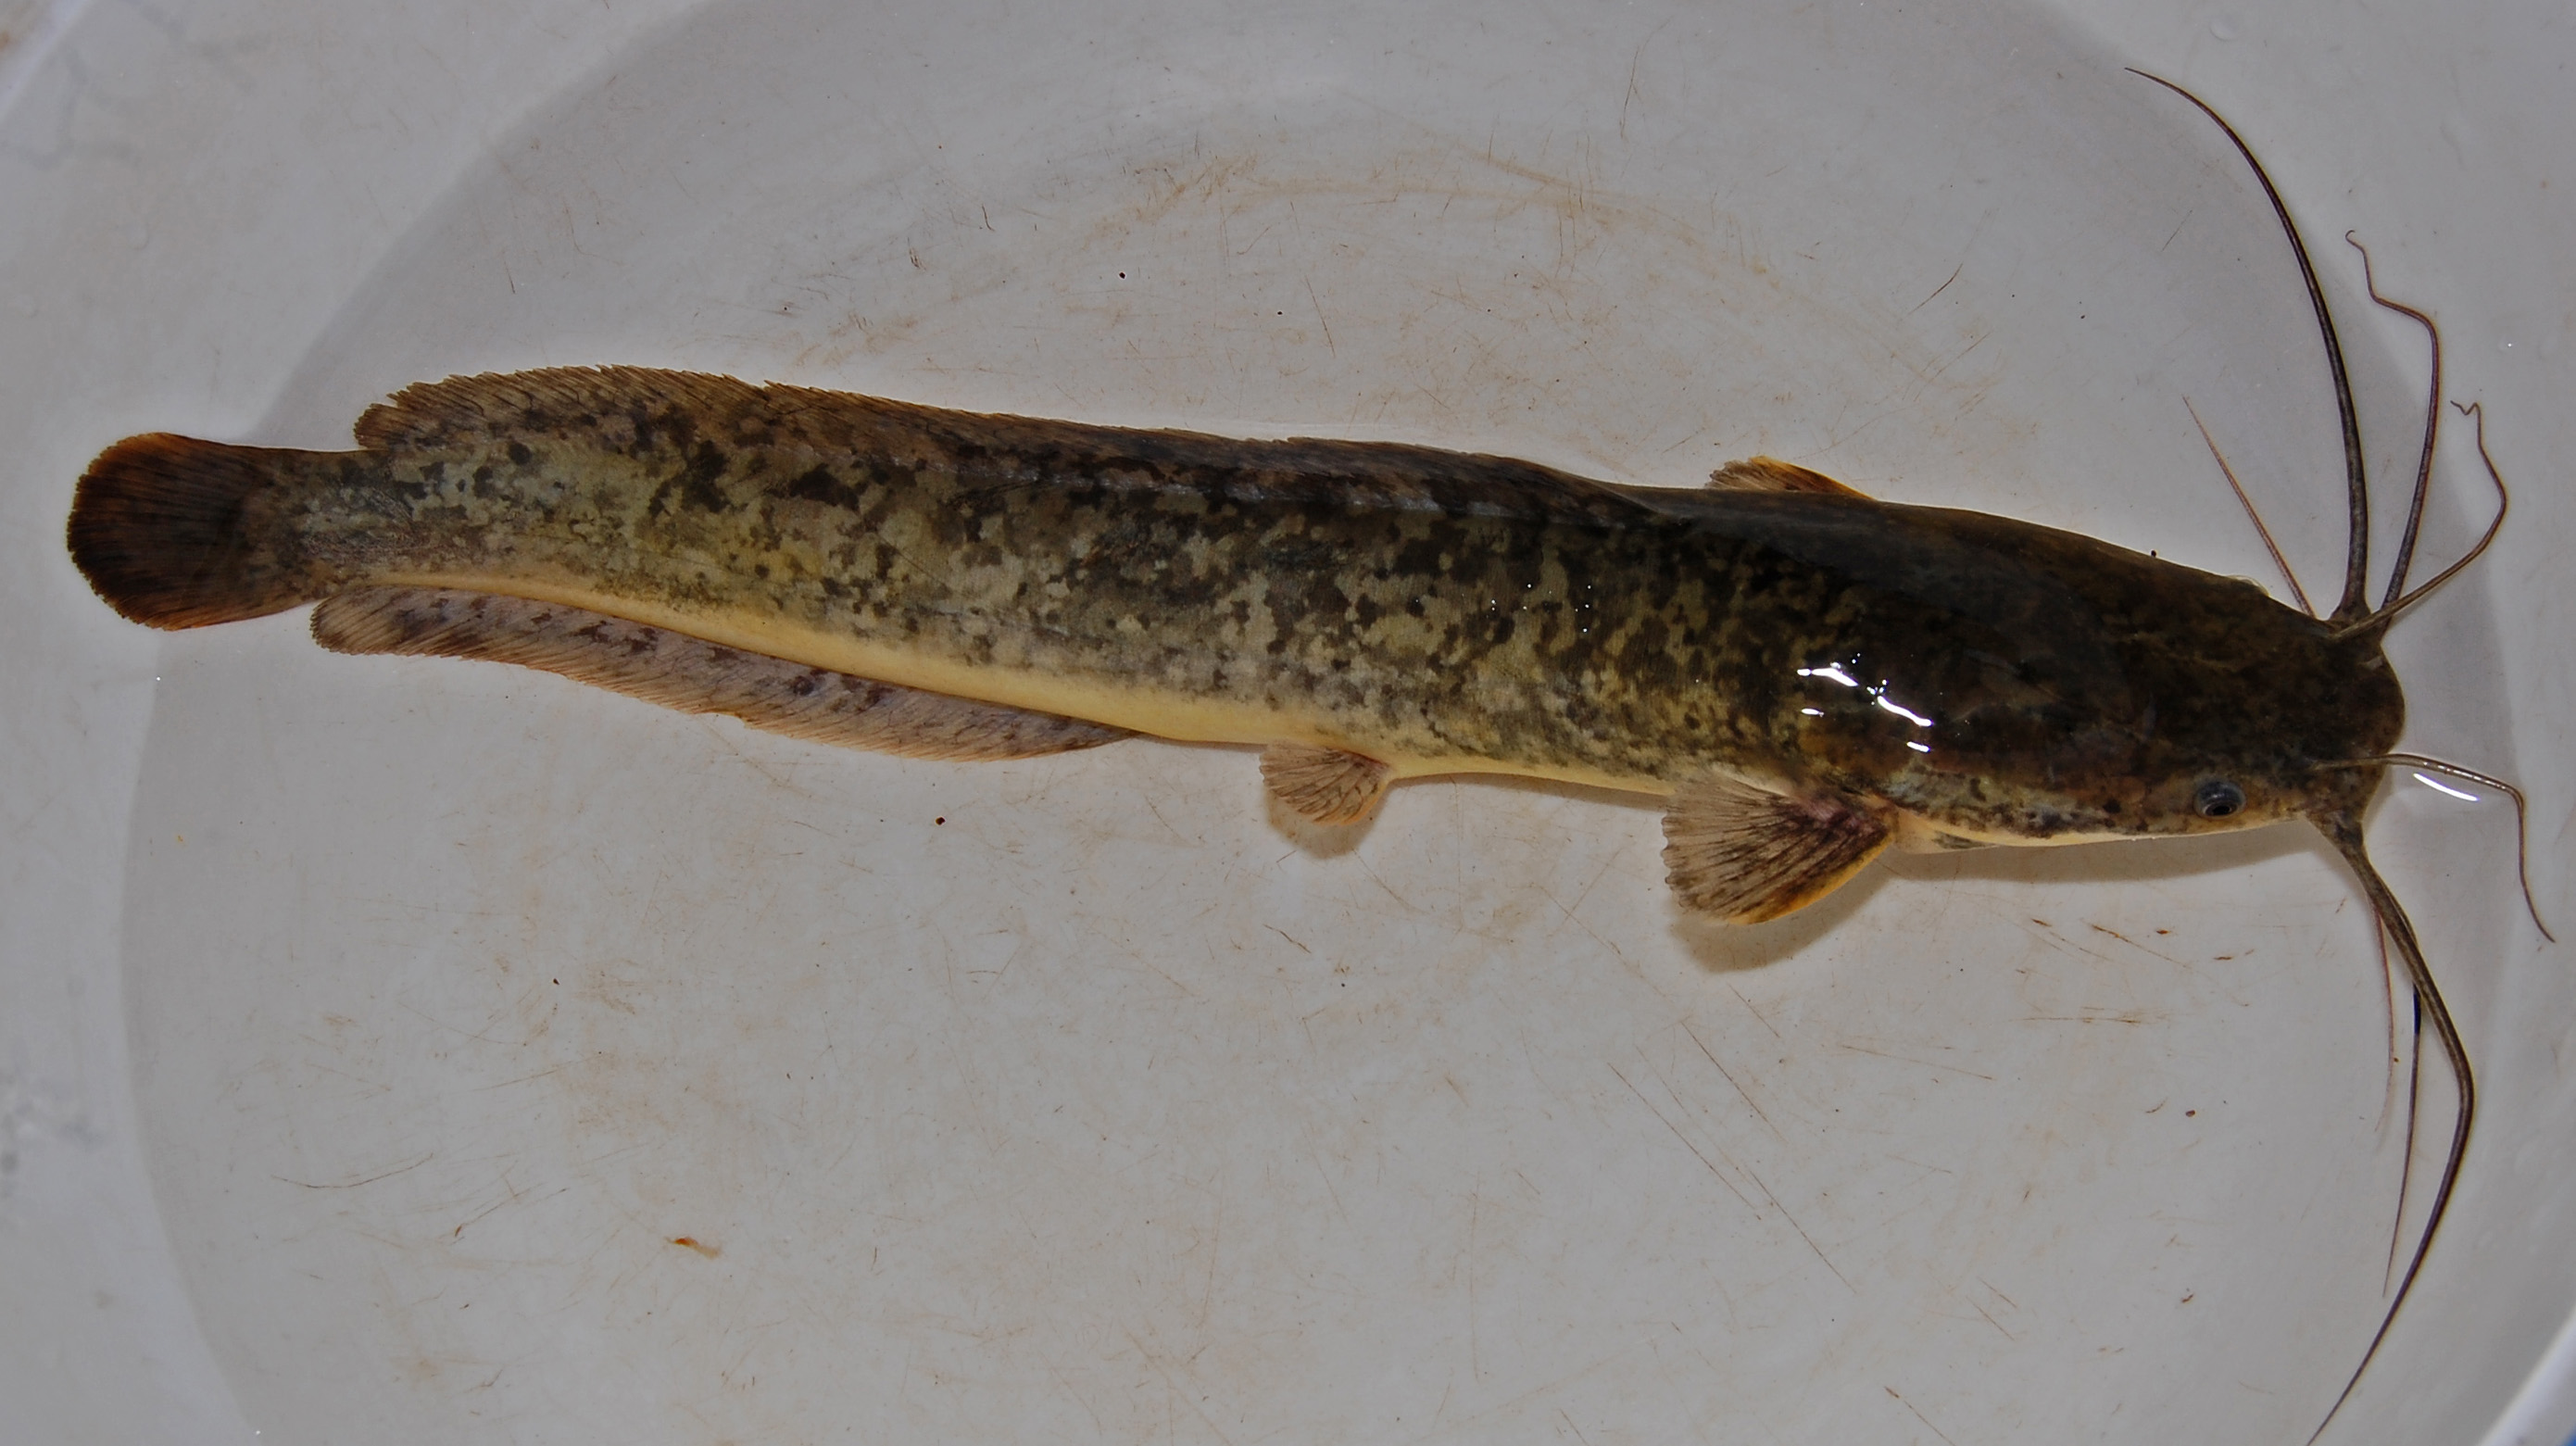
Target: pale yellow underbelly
(1157, 712)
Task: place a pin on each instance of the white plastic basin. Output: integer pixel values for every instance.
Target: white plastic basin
(395, 1050)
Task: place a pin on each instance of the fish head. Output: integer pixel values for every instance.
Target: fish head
(2127, 699)
(2264, 721)
(2290, 758)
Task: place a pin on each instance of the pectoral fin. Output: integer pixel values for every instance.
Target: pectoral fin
(1770, 474)
(693, 675)
(1326, 785)
(1747, 856)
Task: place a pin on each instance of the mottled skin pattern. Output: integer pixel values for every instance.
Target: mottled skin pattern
(1439, 611)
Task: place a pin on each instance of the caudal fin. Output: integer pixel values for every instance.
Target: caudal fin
(168, 530)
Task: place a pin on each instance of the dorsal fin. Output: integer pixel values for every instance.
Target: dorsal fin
(589, 400)
(692, 674)
(1747, 856)
(1770, 474)
(641, 409)
(1326, 785)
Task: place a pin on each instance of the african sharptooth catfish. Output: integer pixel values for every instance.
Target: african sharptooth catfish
(1807, 675)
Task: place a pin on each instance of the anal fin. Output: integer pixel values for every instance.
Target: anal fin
(1326, 785)
(675, 670)
(1770, 474)
(1746, 855)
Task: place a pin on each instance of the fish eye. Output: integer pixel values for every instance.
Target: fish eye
(2218, 798)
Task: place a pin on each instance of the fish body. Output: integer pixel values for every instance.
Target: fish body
(1955, 677)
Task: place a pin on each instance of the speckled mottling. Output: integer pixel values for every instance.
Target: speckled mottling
(1436, 610)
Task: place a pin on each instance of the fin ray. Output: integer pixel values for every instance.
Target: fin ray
(1747, 856)
(1770, 474)
(692, 675)
(166, 528)
(1325, 785)
(465, 410)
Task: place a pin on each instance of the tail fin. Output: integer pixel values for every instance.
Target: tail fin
(166, 528)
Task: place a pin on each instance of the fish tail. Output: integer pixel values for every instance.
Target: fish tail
(172, 532)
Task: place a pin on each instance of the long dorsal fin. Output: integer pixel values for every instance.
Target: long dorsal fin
(1326, 785)
(590, 400)
(693, 675)
(1746, 855)
(1770, 474)
(641, 409)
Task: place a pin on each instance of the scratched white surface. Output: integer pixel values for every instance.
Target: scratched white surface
(425, 1052)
